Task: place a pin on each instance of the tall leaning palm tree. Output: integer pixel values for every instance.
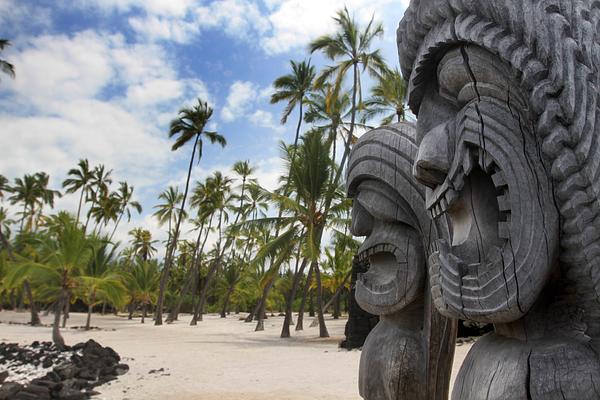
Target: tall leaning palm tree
(293, 89)
(350, 47)
(189, 126)
(5, 66)
(388, 97)
(80, 179)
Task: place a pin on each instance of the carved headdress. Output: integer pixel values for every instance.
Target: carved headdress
(554, 48)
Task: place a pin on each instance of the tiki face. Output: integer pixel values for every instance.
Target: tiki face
(392, 250)
(481, 161)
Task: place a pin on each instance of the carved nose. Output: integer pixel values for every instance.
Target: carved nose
(433, 159)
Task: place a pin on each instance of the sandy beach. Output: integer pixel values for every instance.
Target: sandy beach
(220, 359)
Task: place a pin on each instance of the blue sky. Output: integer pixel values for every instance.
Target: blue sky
(101, 79)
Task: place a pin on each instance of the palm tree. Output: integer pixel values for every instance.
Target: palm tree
(219, 189)
(303, 213)
(351, 46)
(101, 283)
(388, 97)
(166, 212)
(81, 179)
(124, 196)
(293, 88)
(142, 283)
(106, 209)
(99, 184)
(5, 66)
(142, 243)
(329, 111)
(187, 127)
(33, 192)
(4, 187)
(24, 191)
(64, 257)
(45, 195)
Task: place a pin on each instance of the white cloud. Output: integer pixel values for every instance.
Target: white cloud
(95, 96)
(153, 28)
(240, 98)
(296, 22)
(265, 119)
(238, 18)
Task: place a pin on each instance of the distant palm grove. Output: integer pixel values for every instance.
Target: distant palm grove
(251, 250)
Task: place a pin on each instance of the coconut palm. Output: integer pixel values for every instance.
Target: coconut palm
(4, 186)
(64, 257)
(142, 243)
(101, 283)
(5, 66)
(219, 189)
(80, 180)
(124, 196)
(293, 88)
(106, 209)
(329, 111)
(46, 195)
(189, 126)
(142, 283)
(388, 97)
(99, 189)
(200, 201)
(33, 192)
(351, 47)
(166, 212)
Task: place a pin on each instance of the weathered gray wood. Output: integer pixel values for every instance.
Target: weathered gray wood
(409, 354)
(506, 94)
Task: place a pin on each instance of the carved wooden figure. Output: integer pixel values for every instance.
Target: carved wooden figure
(408, 355)
(506, 94)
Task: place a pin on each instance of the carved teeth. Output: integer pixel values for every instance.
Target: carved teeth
(499, 180)
(504, 203)
(468, 163)
(504, 230)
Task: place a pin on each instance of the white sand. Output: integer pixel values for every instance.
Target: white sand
(220, 359)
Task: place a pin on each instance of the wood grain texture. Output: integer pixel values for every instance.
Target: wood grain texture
(506, 94)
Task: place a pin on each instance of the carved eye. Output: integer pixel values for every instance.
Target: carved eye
(362, 220)
(470, 72)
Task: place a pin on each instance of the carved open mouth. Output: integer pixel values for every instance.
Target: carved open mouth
(476, 198)
(385, 268)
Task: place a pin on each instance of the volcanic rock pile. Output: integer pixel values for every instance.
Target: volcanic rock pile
(41, 371)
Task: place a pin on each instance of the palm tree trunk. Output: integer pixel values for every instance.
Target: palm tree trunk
(13, 300)
(300, 320)
(322, 328)
(192, 281)
(211, 271)
(90, 308)
(338, 291)
(89, 213)
(35, 318)
(226, 303)
(260, 316)
(24, 216)
(144, 311)
(57, 338)
(165, 275)
(116, 225)
(254, 312)
(285, 330)
(80, 202)
(67, 306)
